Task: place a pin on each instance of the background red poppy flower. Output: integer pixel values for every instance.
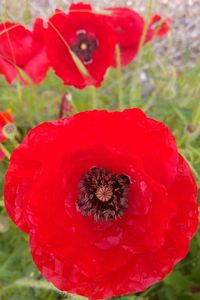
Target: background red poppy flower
(50, 193)
(128, 26)
(5, 118)
(85, 34)
(23, 52)
(158, 27)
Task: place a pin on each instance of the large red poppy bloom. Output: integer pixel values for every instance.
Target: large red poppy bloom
(128, 27)
(108, 202)
(23, 52)
(84, 35)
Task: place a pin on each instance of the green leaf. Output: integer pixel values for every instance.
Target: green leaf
(178, 281)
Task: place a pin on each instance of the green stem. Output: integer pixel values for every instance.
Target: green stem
(5, 151)
(196, 118)
(31, 104)
(94, 97)
(17, 135)
(148, 104)
(194, 135)
(74, 106)
(147, 20)
(14, 142)
(19, 90)
(6, 9)
(191, 166)
(178, 112)
(36, 284)
(138, 68)
(119, 77)
(149, 290)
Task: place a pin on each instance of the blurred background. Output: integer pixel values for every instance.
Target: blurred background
(164, 80)
(185, 15)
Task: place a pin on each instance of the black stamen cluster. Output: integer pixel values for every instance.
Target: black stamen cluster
(108, 209)
(90, 45)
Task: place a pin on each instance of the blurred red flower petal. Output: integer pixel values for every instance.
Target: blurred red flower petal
(128, 27)
(158, 27)
(23, 52)
(133, 160)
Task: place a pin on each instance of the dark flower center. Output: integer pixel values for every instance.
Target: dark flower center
(103, 194)
(84, 47)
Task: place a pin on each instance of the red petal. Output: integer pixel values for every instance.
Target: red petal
(8, 70)
(158, 27)
(22, 49)
(128, 26)
(80, 7)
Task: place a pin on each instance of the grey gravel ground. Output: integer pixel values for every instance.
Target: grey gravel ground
(184, 37)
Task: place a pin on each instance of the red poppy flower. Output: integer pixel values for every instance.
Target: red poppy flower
(23, 52)
(128, 27)
(108, 202)
(81, 34)
(6, 124)
(158, 27)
